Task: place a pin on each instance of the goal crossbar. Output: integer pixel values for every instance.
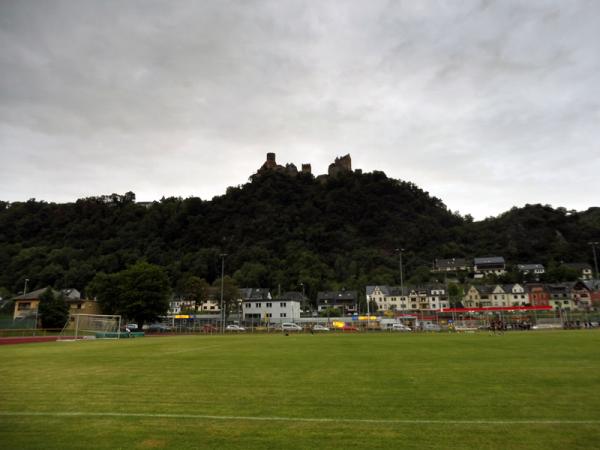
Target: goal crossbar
(92, 325)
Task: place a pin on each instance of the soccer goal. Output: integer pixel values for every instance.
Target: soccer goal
(91, 326)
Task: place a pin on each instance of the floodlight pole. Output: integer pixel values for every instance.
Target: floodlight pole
(593, 244)
(223, 255)
(303, 297)
(400, 250)
(368, 311)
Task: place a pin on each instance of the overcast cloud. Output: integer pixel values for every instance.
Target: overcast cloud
(485, 104)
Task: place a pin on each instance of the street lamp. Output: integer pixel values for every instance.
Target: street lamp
(222, 255)
(593, 244)
(400, 250)
(303, 295)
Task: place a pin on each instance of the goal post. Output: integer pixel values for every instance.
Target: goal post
(94, 326)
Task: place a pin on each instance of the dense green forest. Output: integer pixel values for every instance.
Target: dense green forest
(278, 231)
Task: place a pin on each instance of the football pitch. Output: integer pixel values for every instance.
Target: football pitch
(521, 390)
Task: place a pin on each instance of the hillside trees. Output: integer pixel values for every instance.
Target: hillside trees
(140, 292)
(278, 231)
(230, 293)
(53, 311)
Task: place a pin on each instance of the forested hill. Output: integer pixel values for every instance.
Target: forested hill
(277, 230)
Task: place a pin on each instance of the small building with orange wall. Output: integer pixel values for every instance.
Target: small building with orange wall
(538, 295)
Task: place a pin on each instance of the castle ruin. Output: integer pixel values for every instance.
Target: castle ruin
(290, 168)
(340, 165)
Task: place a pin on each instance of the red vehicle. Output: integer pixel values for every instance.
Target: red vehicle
(209, 329)
(349, 328)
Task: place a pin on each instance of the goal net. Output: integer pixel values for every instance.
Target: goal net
(91, 326)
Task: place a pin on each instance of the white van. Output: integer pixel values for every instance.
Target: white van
(289, 326)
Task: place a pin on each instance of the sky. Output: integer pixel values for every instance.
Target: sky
(483, 104)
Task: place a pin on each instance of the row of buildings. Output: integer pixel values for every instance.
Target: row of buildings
(26, 305)
(258, 304)
(496, 265)
(581, 295)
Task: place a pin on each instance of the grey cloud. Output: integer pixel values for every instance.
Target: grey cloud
(482, 103)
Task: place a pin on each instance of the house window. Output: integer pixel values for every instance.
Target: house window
(269, 315)
(283, 315)
(414, 306)
(283, 305)
(24, 306)
(258, 305)
(269, 305)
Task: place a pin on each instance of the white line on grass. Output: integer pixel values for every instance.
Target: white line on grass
(300, 419)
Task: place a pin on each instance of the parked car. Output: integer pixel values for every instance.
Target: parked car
(289, 326)
(132, 326)
(209, 329)
(234, 328)
(399, 327)
(158, 328)
(349, 328)
(320, 328)
(430, 327)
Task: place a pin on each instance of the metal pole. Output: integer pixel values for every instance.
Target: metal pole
(368, 311)
(400, 250)
(303, 297)
(593, 244)
(401, 275)
(223, 255)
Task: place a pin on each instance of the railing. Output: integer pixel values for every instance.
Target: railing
(20, 332)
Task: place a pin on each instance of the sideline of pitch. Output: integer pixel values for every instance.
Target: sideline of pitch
(299, 419)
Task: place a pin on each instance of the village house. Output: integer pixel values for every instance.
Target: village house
(478, 296)
(451, 265)
(346, 301)
(263, 309)
(584, 269)
(534, 269)
(491, 265)
(538, 294)
(499, 296)
(392, 298)
(516, 295)
(560, 296)
(78, 305)
(581, 295)
(26, 305)
(594, 288)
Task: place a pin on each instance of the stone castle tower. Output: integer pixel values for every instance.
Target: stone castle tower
(342, 164)
(290, 169)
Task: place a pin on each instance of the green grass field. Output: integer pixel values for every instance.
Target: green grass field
(521, 390)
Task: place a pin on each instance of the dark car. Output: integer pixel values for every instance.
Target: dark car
(158, 328)
(209, 329)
